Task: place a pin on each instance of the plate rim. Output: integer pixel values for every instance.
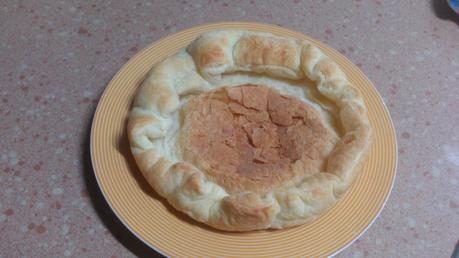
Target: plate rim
(235, 24)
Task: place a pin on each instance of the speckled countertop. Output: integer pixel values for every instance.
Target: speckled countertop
(56, 58)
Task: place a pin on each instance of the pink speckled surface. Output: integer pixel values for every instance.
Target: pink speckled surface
(56, 59)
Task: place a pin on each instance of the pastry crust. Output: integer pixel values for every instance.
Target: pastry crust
(159, 140)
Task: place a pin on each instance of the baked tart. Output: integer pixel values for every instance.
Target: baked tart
(246, 130)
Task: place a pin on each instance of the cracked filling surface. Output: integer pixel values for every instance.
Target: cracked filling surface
(252, 138)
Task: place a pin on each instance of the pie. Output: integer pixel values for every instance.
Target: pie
(245, 130)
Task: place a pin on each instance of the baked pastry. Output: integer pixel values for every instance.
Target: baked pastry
(245, 130)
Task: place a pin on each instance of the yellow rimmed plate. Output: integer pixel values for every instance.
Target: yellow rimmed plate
(173, 234)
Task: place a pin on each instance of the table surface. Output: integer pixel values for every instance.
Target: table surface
(56, 59)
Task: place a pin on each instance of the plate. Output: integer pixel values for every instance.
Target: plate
(172, 233)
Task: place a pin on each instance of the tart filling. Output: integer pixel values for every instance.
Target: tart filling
(252, 138)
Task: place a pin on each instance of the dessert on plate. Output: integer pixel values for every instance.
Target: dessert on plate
(245, 130)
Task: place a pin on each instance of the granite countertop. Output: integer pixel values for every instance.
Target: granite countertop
(56, 59)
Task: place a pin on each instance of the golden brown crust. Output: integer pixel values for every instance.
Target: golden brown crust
(254, 52)
(155, 119)
(247, 211)
(213, 52)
